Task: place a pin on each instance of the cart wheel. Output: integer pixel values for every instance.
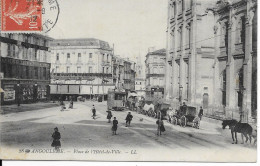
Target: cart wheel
(174, 120)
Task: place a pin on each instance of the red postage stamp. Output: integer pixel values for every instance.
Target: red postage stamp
(21, 15)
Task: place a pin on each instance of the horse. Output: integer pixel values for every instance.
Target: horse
(238, 127)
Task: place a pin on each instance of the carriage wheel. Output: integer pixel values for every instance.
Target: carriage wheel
(168, 119)
(183, 121)
(174, 120)
(154, 115)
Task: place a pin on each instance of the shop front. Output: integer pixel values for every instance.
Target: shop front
(23, 91)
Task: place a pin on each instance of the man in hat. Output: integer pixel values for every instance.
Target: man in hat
(93, 111)
(128, 119)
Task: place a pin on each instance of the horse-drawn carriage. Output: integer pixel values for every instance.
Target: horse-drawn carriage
(156, 110)
(146, 108)
(161, 110)
(186, 116)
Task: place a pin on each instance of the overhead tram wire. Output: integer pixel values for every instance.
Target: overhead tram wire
(183, 46)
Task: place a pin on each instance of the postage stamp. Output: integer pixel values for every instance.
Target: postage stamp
(28, 15)
(22, 15)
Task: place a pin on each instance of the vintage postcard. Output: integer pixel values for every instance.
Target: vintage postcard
(128, 80)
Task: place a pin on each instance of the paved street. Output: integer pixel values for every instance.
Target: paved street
(33, 129)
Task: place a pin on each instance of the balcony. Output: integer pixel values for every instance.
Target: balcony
(239, 51)
(154, 75)
(78, 76)
(104, 63)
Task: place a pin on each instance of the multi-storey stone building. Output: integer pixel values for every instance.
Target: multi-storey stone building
(25, 67)
(190, 53)
(81, 67)
(118, 72)
(155, 74)
(140, 77)
(123, 74)
(235, 69)
(129, 75)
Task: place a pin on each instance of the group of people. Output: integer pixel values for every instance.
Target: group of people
(56, 135)
(128, 119)
(62, 104)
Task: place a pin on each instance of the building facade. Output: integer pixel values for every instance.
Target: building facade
(155, 74)
(235, 66)
(81, 67)
(118, 72)
(140, 77)
(129, 75)
(25, 68)
(190, 53)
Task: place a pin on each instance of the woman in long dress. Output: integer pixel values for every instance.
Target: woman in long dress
(56, 139)
(114, 127)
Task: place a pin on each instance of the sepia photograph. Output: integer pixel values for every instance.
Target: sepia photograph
(128, 80)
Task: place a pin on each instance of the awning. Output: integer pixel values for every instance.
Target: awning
(1, 90)
(132, 95)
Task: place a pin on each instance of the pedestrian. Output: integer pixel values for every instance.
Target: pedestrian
(93, 111)
(62, 105)
(184, 108)
(109, 115)
(160, 127)
(114, 127)
(200, 113)
(71, 104)
(56, 139)
(128, 119)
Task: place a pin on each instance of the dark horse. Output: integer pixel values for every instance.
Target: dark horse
(238, 127)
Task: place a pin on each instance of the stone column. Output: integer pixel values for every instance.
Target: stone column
(248, 67)
(192, 63)
(231, 93)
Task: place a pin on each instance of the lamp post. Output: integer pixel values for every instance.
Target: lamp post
(103, 79)
(180, 93)
(18, 94)
(35, 93)
(91, 88)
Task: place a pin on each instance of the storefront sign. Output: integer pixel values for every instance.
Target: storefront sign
(9, 93)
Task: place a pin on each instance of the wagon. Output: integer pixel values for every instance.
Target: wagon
(147, 109)
(185, 118)
(161, 110)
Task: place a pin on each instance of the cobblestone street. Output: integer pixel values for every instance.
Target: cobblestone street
(80, 132)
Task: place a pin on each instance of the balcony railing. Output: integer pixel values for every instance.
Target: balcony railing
(77, 76)
(104, 63)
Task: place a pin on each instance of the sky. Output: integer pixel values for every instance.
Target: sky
(131, 25)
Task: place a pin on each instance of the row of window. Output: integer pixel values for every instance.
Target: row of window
(156, 81)
(157, 70)
(79, 57)
(28, 53)
(180, 33)
(156, 59)
(90, 69)
(24, 72)
(27, 38)
(181, 6)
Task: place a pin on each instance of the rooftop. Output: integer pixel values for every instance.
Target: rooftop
(158, 52)
(90, 42)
